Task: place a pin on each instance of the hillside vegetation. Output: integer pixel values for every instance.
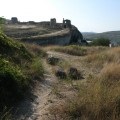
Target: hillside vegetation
(90, 92)
(16, 62)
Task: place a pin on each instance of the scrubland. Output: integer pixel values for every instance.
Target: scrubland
(95, 96)
(98, 94)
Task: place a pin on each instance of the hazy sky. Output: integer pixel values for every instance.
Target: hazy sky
(87, 15)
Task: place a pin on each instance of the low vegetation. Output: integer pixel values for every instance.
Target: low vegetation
(12, 82)
(98, 101)
(36, 50)
(99, 97)
(72, 50)
(36, 69)
(98, 60)
(100, 42)
(12, 50)
(18, 67)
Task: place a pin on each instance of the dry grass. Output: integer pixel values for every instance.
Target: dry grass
(96, 102)
(95, 49)
(99, 98)
(98, 60)
(72, 50)
(64, 65)
(36, 50)
(111, 73)
(76, 50)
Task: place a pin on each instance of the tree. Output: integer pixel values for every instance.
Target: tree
(100, 42)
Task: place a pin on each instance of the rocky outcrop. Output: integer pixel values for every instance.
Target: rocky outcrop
(76, 36)
(65, 37)
(38, 34)
(52, 40)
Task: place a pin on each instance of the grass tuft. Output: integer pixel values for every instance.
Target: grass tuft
(37, 69)
(72, 50)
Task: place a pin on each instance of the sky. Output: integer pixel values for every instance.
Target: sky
(86, 15)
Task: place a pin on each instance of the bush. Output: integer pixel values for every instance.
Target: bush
(74, 74)
(52, 60)
(36, 69)
(60, 73)
(13, 50)
(12, 83)
(18, 67)
(36, 50)
(100, 42)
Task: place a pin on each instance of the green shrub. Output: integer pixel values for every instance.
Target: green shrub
(13, 50)
(12, 83)
(37, 69)
(100, 42)
(18, 67)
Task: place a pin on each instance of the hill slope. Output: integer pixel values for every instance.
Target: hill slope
(114, 36)
(18, 67)
(93, 95)
(43, 35)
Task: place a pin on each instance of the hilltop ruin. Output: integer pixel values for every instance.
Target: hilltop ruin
(45, 32)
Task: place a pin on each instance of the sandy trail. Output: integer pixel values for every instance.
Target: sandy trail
(36, 107)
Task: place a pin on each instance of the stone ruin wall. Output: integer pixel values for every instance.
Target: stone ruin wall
(73, 36)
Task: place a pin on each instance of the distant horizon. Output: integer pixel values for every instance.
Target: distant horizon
(100, 32)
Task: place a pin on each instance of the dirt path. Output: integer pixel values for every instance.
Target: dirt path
(44, 93)
(37, 106)
(55, 33)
